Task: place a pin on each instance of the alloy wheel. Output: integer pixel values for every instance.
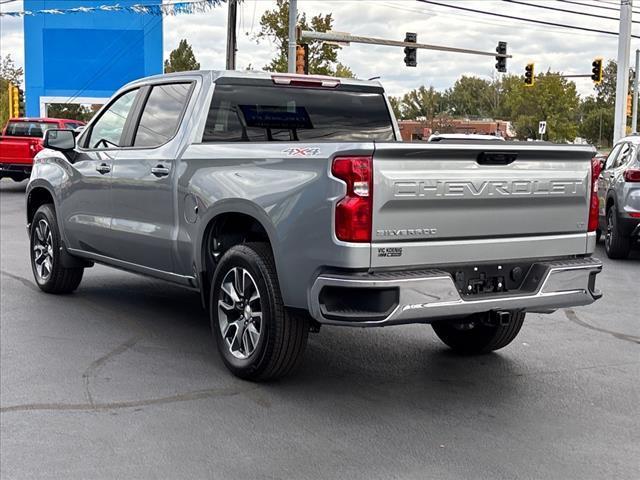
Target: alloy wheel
(607, 237)
(240, 312)
(43, 250)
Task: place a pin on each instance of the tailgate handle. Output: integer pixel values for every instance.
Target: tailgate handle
(496, 158)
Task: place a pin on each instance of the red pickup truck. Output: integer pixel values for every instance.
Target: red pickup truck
(20, 141)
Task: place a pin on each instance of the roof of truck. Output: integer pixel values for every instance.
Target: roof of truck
(253, 74)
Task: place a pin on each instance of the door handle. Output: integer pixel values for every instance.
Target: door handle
(103, 168)
(160, 171)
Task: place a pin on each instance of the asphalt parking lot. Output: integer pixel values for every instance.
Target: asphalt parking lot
(122, 380)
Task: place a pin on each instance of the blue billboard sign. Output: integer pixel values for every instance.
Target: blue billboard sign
(84, 57)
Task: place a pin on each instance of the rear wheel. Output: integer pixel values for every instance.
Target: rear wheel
(615, 243)
(257, 338)
(48, 271)
(479, 333)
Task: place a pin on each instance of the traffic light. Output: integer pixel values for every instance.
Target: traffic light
(20, 102)
(501, 62)
(596, 71)
(629, 105)
(411, 54)
(529, 75)
(301, 65)
(14, 101)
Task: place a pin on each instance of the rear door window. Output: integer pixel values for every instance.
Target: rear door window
(28, 129)
(161, 115)
(252, 113)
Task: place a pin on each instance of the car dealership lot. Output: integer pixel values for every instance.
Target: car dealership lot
(122, 380)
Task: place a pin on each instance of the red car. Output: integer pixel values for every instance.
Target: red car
(20, 141)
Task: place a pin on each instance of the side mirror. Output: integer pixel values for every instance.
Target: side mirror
(61, 140)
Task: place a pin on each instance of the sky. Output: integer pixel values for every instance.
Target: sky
(559, 49)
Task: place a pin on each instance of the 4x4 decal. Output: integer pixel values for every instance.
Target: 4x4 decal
(302, 151)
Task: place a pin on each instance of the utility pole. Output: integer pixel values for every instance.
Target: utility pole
(622, 86)
(232, 14)
(634, 117)
(291, 56)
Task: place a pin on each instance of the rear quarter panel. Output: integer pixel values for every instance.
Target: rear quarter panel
(292, 195)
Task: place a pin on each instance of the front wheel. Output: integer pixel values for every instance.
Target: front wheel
(45, 243)
(478, 333)
(257, 338)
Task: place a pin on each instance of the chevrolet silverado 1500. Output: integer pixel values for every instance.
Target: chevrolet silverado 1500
(289, 202)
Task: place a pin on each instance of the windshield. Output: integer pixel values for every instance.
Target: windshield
(252, 113)
(28, 129)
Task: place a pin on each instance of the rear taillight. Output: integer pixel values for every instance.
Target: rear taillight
(36, 146)
(632, 175)
(354, 210)
(593, 205)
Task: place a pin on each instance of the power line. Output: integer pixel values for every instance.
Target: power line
(495, 23)
(546, 7)
(522, 19)
(590, 5)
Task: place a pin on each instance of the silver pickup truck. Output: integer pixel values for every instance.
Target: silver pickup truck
(289, 202)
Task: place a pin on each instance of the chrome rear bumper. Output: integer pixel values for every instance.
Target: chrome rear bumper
(428, 295)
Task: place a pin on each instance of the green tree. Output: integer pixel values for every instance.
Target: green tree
(552, 98)
(343, 71)
(396, 106)
(606, 91)
(9, 73)
(596, 125)
(181, 59)
(323, 57)
(597, 112)
(472, 97)
(421, 103)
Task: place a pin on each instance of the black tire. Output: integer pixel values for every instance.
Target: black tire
(58, 279)
(616, 244)
(476, 335)
(598, 235)
(282, 336)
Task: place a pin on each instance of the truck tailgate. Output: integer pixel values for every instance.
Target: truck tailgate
(17, 150)
(450, 203)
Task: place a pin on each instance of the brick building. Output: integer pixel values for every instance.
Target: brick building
(415, 131)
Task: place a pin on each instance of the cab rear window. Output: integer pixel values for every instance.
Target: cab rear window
(28, 129)
(252, 113)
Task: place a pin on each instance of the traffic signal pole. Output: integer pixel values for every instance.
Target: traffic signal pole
(622, 85)
(348, 38)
